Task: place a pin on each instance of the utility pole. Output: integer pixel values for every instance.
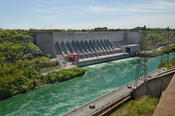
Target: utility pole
(141, 67)
(165, 57)
(146, 45)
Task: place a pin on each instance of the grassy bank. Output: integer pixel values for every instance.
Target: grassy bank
(153, 40)
(143, 106)
(21, 62)
(50, 68)
(154, 53)
(65, 74)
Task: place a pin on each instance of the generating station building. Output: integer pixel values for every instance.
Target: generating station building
(87, 44)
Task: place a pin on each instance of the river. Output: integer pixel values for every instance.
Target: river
(59, 98)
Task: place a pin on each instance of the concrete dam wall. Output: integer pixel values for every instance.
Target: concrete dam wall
(86, 44)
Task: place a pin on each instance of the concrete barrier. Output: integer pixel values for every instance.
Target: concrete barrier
(154, 86)
(103, 59)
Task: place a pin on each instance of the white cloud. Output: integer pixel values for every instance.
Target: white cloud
(52, 14)
(127, 22)
(154, 7)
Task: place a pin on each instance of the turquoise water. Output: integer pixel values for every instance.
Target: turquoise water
(59, 98)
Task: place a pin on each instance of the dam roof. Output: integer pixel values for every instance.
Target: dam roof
(81, 31)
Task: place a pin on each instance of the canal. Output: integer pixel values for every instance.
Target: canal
(59, 98)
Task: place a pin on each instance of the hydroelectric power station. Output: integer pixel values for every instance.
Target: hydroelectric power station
(92, 47)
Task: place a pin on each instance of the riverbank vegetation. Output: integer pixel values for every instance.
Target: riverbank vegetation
(21, 62)
(143, 106)
(50, 68)
(160, 36)
(156, 44)
(158, 52)
(168, 64)
(65, 74)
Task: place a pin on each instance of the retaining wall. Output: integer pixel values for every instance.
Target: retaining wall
(44, 40)
(153, 87)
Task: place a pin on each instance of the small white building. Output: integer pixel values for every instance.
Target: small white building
(132, 49)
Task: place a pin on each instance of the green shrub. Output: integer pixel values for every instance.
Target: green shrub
(66, 74)
(163, 50)
(169, 64)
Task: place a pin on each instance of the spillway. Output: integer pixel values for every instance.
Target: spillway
(59, 98)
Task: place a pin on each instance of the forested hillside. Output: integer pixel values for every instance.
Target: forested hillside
(20, 62)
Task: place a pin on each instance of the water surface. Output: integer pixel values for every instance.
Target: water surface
(59, 98)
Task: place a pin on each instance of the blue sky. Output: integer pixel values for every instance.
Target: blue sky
(83, 14)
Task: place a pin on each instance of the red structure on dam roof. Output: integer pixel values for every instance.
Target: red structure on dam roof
(73, 57)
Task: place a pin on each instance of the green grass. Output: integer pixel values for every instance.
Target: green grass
(143, 106)
(47, 69)
(65, 74)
